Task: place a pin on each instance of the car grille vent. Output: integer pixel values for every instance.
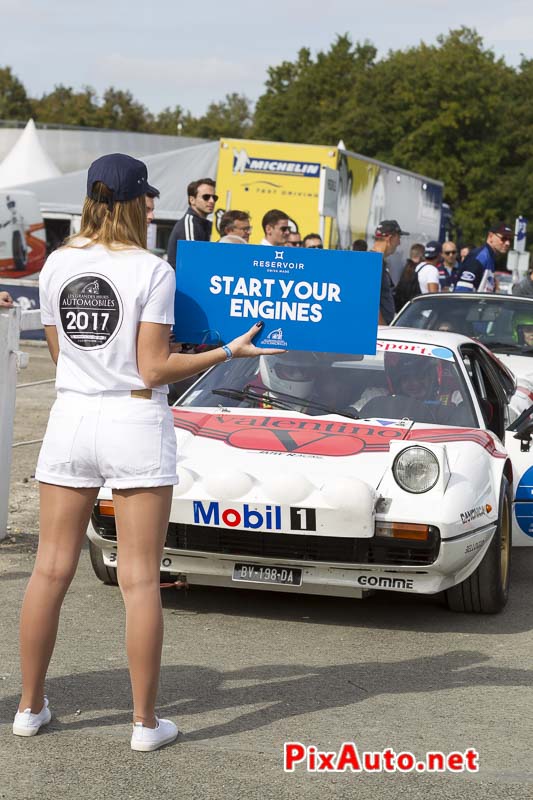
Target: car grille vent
(301, 547)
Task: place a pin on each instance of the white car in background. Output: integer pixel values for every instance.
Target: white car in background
(339, 474)
(503, 323)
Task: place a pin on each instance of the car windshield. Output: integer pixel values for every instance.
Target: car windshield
(503, 325)
(418, 382)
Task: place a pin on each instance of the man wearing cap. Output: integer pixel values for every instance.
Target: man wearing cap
(476, 273)
(386, 240)
(427, 271)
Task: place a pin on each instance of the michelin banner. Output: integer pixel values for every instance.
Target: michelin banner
(322, 300)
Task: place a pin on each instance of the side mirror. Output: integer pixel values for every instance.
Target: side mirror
(523, 425)
(524, 434)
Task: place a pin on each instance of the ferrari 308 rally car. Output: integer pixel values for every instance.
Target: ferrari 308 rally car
(324, 473)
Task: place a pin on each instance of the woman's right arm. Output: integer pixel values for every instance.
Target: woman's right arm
(158, 366)
(52, 340)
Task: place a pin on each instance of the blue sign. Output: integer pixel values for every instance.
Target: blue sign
(323, 300)
(524, 502)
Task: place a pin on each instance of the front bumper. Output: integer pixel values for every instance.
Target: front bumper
(334, 566)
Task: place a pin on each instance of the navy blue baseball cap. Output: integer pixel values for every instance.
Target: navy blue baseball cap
(432, 249)
(125, 176)
(503, 230)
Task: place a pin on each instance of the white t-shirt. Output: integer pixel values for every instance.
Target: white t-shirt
(427, 273)
(96, 298)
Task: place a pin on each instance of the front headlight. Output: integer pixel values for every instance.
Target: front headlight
(416, 469)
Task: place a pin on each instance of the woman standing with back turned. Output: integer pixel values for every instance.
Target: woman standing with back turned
(107, 305)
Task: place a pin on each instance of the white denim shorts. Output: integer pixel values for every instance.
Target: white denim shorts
(112, 439)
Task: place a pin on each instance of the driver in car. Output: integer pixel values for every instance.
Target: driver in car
(523, 326)
(291, 374)
(413, 383)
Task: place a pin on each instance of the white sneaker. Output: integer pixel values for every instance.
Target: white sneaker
(147, 739)
(28, 724)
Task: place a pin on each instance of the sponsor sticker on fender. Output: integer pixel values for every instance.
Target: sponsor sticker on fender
(472, 514)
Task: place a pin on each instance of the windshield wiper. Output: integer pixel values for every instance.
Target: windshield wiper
(279, 400)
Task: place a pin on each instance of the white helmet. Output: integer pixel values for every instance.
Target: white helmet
(291, 373)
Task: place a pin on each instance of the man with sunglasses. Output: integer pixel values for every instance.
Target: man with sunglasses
(295, 239)
(276, 227)
(449, 268)
(194, 225)
(313, 241)
(476, 273)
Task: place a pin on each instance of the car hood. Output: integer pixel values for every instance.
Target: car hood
(283, 456)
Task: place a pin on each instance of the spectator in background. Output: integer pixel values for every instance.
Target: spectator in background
(295, 239)
(313, 241)
(150, 207)
(360, 245)
(427, 271)
(465, 251)
(387, 238)
(449, 268)
(408, 286)
(276, 227)
(235, 223)
(194, 225)
(151, 232)
(6, 301)
(476, 273)
(416, 253)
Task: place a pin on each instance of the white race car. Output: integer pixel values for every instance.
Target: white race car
(340, 474)
(504, 323)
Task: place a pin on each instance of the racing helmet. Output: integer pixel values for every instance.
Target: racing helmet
(399, 366)
(522, 323)
(291, 373)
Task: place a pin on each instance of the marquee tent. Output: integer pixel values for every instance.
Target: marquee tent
(27, 161)
(170, 172)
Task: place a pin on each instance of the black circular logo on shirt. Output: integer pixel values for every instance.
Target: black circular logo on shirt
(91, 311)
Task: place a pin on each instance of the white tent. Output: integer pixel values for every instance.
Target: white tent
(27, 160)
(169, 172)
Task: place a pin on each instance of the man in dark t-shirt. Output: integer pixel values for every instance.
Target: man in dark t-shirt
(387, 238)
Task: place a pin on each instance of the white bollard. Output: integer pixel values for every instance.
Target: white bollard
(9, 344)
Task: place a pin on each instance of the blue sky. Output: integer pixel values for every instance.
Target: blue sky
(171, 53)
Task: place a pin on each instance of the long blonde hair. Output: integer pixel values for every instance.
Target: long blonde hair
(113, 224)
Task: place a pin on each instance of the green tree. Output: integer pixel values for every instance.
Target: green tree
(14, 102)
(64, 106)
(441, 110)
(316, 101)
(120, 111)
(450, 110)
(173, 121)
(231, 117)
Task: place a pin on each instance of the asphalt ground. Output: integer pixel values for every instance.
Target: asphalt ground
(243, 672)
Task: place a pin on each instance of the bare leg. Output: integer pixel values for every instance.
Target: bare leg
(142, 522)
(64, 516)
